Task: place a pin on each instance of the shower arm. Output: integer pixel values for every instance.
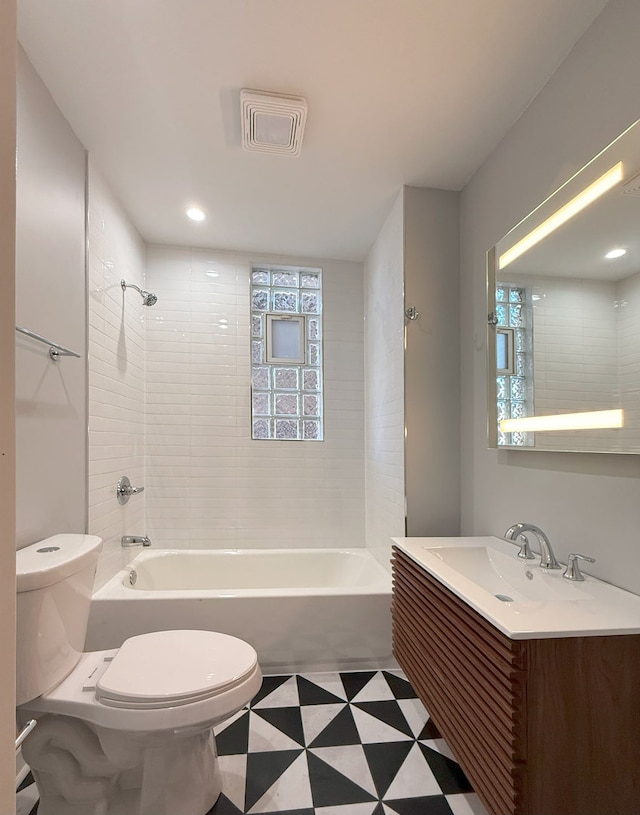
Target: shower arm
(148, 298)
(126, 285)
(133, 286)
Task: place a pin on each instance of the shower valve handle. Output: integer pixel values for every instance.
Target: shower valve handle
(125, 490)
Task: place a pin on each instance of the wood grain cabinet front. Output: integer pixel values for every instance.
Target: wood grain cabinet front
(540, 726)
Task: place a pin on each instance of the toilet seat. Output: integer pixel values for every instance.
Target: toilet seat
(169, 668)
(133, 699)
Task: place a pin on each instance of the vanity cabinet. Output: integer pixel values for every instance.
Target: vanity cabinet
(540, 726)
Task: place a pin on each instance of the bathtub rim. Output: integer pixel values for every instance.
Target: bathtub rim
(116, 589)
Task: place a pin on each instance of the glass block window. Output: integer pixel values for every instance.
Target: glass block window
(286, 354)
(514, 341)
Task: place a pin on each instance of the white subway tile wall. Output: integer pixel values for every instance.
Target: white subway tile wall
(575, 347)
(384, 364)
(208, 483)
(116, 374)
(169, 403)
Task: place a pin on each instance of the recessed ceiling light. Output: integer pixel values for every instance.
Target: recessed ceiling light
(212, 274)
(615, 253)
(195, 214)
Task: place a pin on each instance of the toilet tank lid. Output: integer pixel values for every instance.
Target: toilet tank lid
(53, 559)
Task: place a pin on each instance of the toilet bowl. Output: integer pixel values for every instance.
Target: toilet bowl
(127, 731)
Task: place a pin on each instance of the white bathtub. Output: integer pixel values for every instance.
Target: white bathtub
(302, 609)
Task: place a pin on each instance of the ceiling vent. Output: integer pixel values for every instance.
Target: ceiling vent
(272, 123)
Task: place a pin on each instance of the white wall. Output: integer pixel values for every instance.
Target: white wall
(384, 377)
(7, 404)
(412, 372)
(207, 483)
(50, 300)
(432, 361)
(116, 374)
(585, 502)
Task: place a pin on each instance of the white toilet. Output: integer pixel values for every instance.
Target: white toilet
(127, 731)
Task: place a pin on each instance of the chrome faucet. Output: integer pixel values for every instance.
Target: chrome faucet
(572, 572)
(135, 540)
(547, 557)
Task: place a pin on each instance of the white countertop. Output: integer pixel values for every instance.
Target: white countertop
(540, 603)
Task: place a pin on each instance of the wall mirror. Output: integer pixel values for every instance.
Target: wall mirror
(563, 292)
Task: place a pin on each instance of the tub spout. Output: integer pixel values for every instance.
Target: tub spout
(135, 540)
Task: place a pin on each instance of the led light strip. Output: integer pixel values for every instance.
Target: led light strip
(588, 420)
(561, 216)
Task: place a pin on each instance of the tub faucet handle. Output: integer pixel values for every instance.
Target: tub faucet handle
(135, 540)
(124, 490)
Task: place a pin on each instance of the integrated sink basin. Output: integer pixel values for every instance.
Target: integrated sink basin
(503, 575)
(516, 595)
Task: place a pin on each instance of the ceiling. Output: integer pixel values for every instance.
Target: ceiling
(415, 92)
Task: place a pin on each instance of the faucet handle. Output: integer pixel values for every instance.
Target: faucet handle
(125, 489)
(525, 549)
(572, 572)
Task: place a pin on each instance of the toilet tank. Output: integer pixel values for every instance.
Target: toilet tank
(54, 581)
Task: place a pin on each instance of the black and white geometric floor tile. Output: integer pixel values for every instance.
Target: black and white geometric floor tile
(27, 797)
(357, 743)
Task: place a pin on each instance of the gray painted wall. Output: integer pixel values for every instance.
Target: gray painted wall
(50, 300)
(585, 502)
(431, 362)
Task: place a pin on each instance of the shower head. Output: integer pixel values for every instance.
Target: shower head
(148, 297)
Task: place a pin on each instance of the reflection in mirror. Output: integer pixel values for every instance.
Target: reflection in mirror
(563, 292)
